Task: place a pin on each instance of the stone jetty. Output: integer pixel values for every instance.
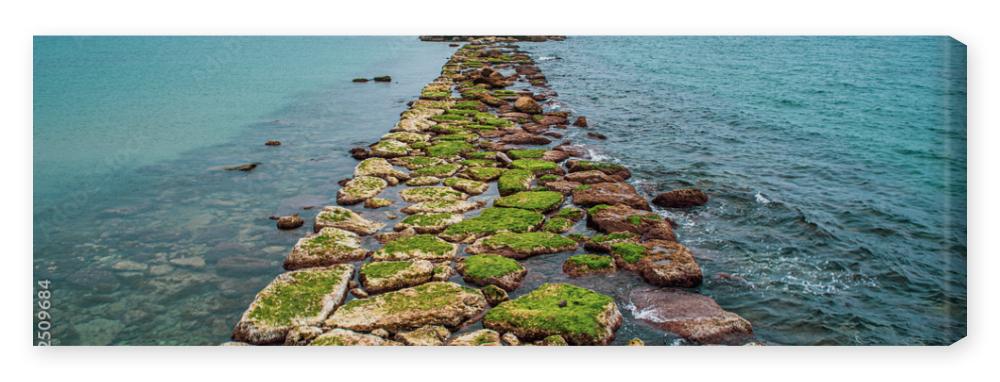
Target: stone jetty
(470, 183)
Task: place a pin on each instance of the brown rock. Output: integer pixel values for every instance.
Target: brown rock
(272, 143)
(597, 135)
(591, 177)
(525, 139)
(527, 105)
(581, 121)
(382, 79)
(359, 153)
(573, 151)
(694, 317)
(290, 222)
(549, 120)
(609, 193)
(563, 186)
(669, 264)
(243, 167)
(622, 218)
(612, 169)
(684, 198)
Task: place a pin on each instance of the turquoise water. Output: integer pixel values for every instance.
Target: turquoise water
(836, 168)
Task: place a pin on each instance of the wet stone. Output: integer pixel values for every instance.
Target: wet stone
(579, 315)
(341, 337)
(491, 221)
(384, 276)
(434, 303)
(428, 223)
(429, 194)
(481, 337)
(345, 219)
(522, 245)
(360, 188)
(330, 246)
(416, 247)
(489, 269)
(430, 335)
(587, 264)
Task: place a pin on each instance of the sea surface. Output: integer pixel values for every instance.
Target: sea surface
(836, 168)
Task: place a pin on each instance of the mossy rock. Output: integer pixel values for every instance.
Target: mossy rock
(536, 166)
(579, 315)
(553, 340)
(360, 188)
(447, 128)
(377, 202)
(439, 171)
(463, 136)
(449, 118)
(492, 221)
(297, 298)
(557, 225)
(515, 180)
(603, 242)
(447, 149)
(482, 155)
(481, 337)
(429, 223)
(669, 264)
(522, 245)
(384, 276)
(345, 219)
(417, 162)
(434, 303)
(480, 163)
(390, 148)
(378, 167)
(627, 255)
(439, 206)
(488, 269)
(468, 186)
(423, 181)
(494, 294)
(429, 335)
(584, 265)
(407, 137)
(468, 105)
(612, 169)
(341, 337)
(422, 247)
(541, 201)
(330, 246)
(571, 213)
(484, 174)
(427, 194)
(526, 153)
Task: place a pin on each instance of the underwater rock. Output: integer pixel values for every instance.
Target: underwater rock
(579, 315)
(596, 135)
(694, 317)
(434, 303)
(580, 121)
(684, 198)
(382, 79)
(272, 142)
(345, 219)
(489, 269)
(377, 203)
(242, 167)
(359, 153)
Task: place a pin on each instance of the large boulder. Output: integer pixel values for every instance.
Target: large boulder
(681, 198)
(579, 315)
(694, 317)
(522, 245)
(528, 105)
(416, 247)
(622, 218)
(359, 189)
(297, 298)
(495, 270)
(609, 193)
(434, 303)
(330, 246)
(384, 276)
(345, 219)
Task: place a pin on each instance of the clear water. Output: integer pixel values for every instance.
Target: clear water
(836, 168)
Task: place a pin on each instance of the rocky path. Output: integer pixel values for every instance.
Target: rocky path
(434, 216)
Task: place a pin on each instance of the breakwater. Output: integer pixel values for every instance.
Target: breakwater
(435, 236)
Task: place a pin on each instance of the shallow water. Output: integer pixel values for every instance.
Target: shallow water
(836, 168)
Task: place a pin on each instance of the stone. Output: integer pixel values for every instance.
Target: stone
(684, 198)
(514, 180)
(537, 166)
(379, 168)
(359, 153)
(694, 317)
(494, 294)
(622, 218)
(160, 269)
(669, 264)
(580, 121)
(492, 221)
(579, 315)
(417, 162)
(442, 272)
(522, 245)
(541, 201)
(615, 170)
(383, 276)
(360, 188)
(562, 186)
(290, 222)
(389, 148)
(272, 142)
(428, 223)
(382, 79)
(189, 262)
(416, 247)
(434, 303)
(554, 156)
(341, 337)
(525, 139)
(468, 186)
(433, 193)
(574, 151)
(377, 203)
(246, 167)
(609, 193)
(423, 181)
(587, 265)
(553, 340)
(482, 174)
(603, 242)
(440, 206)
(491, 269)
(430, 335)
(297, 298)
(330, 246)
(381, 333)
(345, 219)
(359, 293)
(510, 339)
(527, 105)
(301, 335)
(636, 342)
(481, 337)
(438, 171)
(596, 135)
(590, 177)
(360, 80)
(129, 266)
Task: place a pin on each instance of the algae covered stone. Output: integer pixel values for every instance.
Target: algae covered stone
(526, 153)
(494, 294)
(429, 223)
(487, 269)
(417, 162)
(468, 186)
(330, 246)
(438, 171)
(483, 174)
(434, 303)
(522, 245)
(438, 206)
(557, 225)
(390, 148)
(423, 181)
(669, 264)
(430, 335)
(297, 298)
(515, 180)
(341, 337)
(378, 167)
(628, 254)
(446, 149)
(345, 219)
(542, 201)
(603, 242)
(616, 170)
(423, 247)
(536, 166)
(377, 203)
(384, 276)
(481, 337)
(434, 193)
(585, 265)
(491, 221)
(360, 188)
(581, 316)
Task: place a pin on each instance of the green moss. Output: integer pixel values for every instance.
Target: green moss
(480, 128)
(479, 163)
(424, 194)
(554, 340)
(442, 128)
(424, 297)
(548, 178)
(302, 297)
(637, 220)
(467, 185)
(406, 137)
(416, 162)
(435, 95)
(383, 269)
(439, 171)
(527, 241)
(531, 200)
(592, 211)
(514, 181)
(592, 262)
(630, 252)
(586, 165)
(493, 220)
(363, 185)
(449, 148)
(557, 225)
(462, 112)
(526, 154)
(504, 93)
(488, 155)
(334, 215)
(424, 243)
(536, 166)
(468, 137)
(331, 239)
(616, 236)
(467, 105)
(426, 220)
(448, 118)
(554, 308)
(483, 173)
(493, 121)
(571, 213)
(582, 187)
(482, 267)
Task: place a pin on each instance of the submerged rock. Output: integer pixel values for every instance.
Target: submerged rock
(341, 337)
(492, 221)
(416, 247)
(496, 270)
(360, 188)
(330, 246)
(434, 303)
(481, 337)
(694, 317)
(384, 276)
(581, 121)
(345, 219)
(586, 265)
(382, 79)
(522, 245)
(297, 298)
(579, 315)
(242, 167)
(430, 335)
(272, 142)
(681, 198)
(609, 193)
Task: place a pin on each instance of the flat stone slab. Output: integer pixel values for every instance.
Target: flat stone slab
(438, 171)
(417, 162)
(492, 221)
(514, 180)
(541, 201)
(341, 337)
(622, 218)
(669, 264)
(609, 193)
(603, 242)
(390, 148)
(383, 276)
(430, 335)
(581, 316)
(360, 188)
(590, 177)
(481, 337)
(345, 219)
(297, 298)
(468, 186)
(434, 303)
(588, 264)
(483, 174)
(537, 166)
(379, 168)
(423, 181)
(495, 270)
(428, 223)
(522, 245)
(430, 194)
(615, 170)
(694, 317)
(439, 206)
(416, 247)
(330, 246)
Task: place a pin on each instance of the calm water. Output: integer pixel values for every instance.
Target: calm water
(836, 167)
